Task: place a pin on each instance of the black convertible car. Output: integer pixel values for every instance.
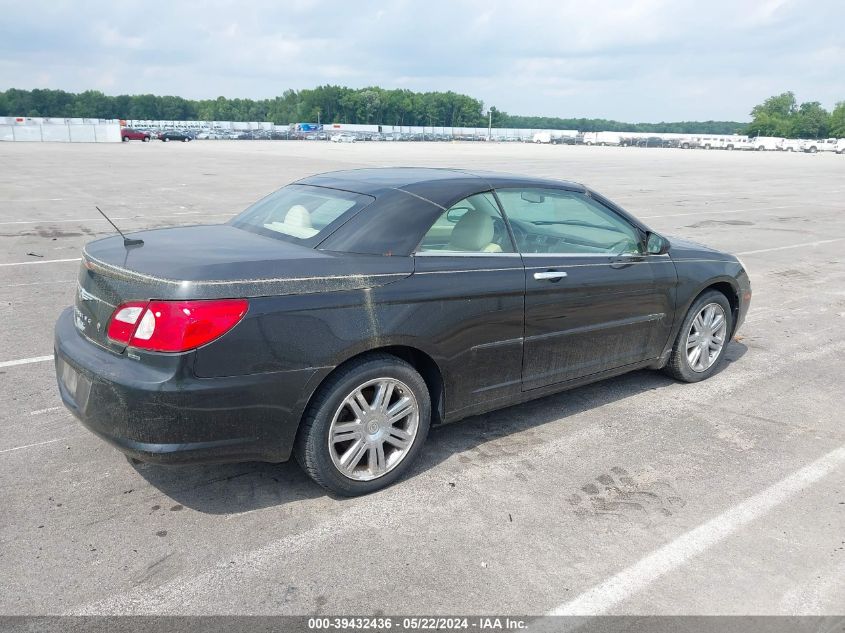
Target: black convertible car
(341, 316)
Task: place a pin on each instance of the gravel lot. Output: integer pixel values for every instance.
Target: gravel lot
(733, 489)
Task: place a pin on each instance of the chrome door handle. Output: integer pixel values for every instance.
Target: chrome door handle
(549, 275)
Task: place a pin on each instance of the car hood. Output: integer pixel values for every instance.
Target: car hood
(680, 247)
(214, 261)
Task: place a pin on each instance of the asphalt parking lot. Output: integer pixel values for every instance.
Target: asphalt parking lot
(637, 495)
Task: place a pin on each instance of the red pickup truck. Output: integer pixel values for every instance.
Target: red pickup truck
(128, 134)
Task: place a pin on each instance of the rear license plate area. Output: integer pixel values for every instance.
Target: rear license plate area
(77, 386)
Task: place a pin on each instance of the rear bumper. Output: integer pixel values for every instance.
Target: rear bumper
(158, 411)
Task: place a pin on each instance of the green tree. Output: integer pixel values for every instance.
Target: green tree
(811, 121)
(773, 117)
(837, 121)
(366, 105)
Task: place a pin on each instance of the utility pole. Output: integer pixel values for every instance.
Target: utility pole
(490, 124)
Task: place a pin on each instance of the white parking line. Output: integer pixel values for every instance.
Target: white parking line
(602, 598)
(706, 212)
(783, 248)
(18, 448)
(31, 199)
(134, 217)
(41, 261)
(47, 410)
(25, 361)
(40, 283)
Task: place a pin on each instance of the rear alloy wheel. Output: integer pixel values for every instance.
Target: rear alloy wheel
(365, 426)
(146, 139)
(702, 339)
(125, 139)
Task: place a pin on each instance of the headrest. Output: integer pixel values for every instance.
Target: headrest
(473, 232)
(298, 215)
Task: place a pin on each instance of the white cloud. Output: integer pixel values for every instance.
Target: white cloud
(623, 59)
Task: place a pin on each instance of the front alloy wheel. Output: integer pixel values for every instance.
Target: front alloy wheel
(706, 337)
(702, 340)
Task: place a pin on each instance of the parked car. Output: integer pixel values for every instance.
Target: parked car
(791, 145)
(176, 135)
(129, 134)
(822, 145)
(767, 143)
(739, 143)
(839, 148)
(602, 138)
(338, 318)
(650, 141)
(343, 138)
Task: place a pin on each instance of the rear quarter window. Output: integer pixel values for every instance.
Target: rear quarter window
(303, 214)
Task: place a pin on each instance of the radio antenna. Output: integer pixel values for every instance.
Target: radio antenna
(126, 241)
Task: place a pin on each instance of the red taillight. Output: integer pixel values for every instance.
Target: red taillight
(174, 326)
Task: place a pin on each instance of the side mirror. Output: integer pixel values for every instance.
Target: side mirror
(656, 244)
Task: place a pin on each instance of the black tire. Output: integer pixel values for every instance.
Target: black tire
(165, 139)
(311, 449)
(125, 139)
(678, 366)
(146, 139)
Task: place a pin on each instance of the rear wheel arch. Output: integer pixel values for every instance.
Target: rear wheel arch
(421, 361)
(408, 367)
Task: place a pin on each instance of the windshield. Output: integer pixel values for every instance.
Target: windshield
(301, 213)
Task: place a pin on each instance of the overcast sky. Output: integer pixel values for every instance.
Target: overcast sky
(631, 60)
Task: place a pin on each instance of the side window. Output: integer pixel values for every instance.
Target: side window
(473, 225)
(566, 222)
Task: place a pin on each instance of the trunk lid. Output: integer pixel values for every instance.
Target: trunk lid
(213, 262)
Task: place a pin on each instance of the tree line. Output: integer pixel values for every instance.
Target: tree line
(328, 104)
(779, 115)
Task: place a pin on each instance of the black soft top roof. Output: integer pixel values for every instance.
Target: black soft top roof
(439, 185)
(407, 201)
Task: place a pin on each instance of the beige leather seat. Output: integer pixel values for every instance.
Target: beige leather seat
(297, 223)
(474, 233)
(299, 216)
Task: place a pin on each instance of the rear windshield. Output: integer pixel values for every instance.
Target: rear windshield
(301, 213)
